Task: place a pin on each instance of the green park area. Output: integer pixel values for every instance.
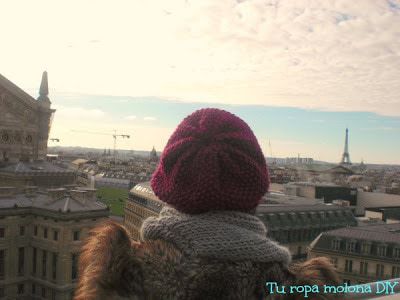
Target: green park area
(115, 198)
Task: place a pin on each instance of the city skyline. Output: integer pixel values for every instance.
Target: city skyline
(319, 66)
(291, 131)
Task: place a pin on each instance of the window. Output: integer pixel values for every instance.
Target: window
(348, 266)
(380, 269)
(76, 235)
(74, 266)
(381, 250)
(54, 266)
(20, 288)
(366, 248)
(351, 246)
(45, 233)
(363, 268)
(396, 252)
(334, 261)
(2, 261)
(55, 235)
(44, 263)
(2, 232)
(21, 261)
(336, 244)
(21, 230)
(33, 289)
(395, 272)
(35, 230)
(53, 295)
(2, 293)
(34, 260)
(43, 292)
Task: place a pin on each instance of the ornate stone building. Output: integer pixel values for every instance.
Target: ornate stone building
(24, 123)
(41, 232)
(24, 130)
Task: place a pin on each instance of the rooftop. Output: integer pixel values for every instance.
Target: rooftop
(36, 167)
(389, 233)
(267, 208)
(58, 200)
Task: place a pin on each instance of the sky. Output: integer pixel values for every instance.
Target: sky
(298, 72)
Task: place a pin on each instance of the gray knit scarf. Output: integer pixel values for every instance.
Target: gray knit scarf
(226, 235)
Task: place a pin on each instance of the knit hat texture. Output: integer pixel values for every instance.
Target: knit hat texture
(211, 162)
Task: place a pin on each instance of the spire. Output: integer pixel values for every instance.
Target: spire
(346, 156)
(346, 141)
(44, 89)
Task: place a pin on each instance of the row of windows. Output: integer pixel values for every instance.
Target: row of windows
(364, 268)
(307, 216)
(37, 290)
(45, 257)
(156, 206)
(3, 231)
(45, 233)
(365, 248)
(43, 260)
(133, 220)
(144, 213)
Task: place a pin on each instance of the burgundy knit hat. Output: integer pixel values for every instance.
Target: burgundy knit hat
(211, 162)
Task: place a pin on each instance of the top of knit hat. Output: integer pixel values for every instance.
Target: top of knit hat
(211, 162)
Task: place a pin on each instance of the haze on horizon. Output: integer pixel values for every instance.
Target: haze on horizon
(319, 65)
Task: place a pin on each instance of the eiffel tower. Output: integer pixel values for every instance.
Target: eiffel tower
(346, 156)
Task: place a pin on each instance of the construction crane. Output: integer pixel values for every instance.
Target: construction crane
(114, 135)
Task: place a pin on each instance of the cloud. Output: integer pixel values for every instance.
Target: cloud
(149, 118)
(130, 118)
(64, 112)
(331, 55)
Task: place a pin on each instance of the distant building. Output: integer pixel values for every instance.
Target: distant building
(292, 221)
(79, 162)
(153, 155)
(367, 200)
(393, 189)
(299, 160)
(386, 214)
(326, 192)
(117, 183)
(41, 232)
(361, 254)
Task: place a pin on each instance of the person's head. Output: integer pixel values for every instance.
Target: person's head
(211, 162)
